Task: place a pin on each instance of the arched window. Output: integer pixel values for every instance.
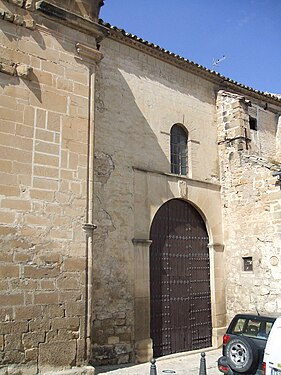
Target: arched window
(178, 150)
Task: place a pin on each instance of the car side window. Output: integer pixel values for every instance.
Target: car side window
(268, 327)
(252, 328)
(239, 326)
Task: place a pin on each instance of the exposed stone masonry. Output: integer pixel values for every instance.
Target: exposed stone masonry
(251, 209)
(44, 99)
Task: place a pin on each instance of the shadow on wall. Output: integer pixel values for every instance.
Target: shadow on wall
(125, 138)
(19, 28)
(166, 76)
(12, 63)
(45, 254)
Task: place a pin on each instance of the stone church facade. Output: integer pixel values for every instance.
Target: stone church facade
(140, 195)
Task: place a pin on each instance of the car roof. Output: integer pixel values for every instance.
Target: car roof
(270, 316)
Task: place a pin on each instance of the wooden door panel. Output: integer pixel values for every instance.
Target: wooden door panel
(179, 280)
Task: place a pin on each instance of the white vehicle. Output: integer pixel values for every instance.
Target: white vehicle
(272, 353)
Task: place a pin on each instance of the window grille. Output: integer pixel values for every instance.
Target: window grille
(247, 264)
(178, 150)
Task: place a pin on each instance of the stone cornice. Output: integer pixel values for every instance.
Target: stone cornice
(72, 20)
(160, 53)
(190, 181)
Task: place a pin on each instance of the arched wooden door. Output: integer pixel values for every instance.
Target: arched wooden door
(180, 299)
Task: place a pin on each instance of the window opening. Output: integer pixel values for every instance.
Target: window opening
(248, 264)
(253, 123)
(178, 149)
(252, 328)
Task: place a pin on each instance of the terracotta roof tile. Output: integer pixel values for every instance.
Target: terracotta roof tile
(213, 73)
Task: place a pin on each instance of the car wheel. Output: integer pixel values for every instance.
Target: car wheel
(241, 354)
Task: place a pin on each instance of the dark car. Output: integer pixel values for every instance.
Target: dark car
(244, 343)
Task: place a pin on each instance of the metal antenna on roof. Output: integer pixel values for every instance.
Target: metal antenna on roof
(218, 61)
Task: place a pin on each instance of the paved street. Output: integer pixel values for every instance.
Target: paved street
(180, 364)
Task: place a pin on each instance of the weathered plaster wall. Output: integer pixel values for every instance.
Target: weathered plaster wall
(139, 99)
(251, 205)
(44, 88)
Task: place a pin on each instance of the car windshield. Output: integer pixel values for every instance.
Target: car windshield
(252, 328)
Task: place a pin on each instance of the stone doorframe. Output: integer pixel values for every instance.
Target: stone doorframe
(151, 190)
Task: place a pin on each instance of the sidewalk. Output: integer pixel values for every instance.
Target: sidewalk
(179, 364)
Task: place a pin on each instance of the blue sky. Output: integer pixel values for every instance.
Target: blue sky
(246, 32)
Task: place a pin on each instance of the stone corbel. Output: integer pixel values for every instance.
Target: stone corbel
(8, 67)
(18, 70)
(17, 19)
(24, 71)
(89, 52)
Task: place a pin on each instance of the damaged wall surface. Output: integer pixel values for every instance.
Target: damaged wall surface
(85, 156)
(251, 204)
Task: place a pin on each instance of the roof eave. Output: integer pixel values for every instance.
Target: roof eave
(188, 65)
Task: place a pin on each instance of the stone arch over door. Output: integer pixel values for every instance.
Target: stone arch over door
(180, 298)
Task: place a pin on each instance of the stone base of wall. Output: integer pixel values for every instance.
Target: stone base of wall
(85, 370)
(217, 336)
(144, 351)
(114, 354)
(32, 370)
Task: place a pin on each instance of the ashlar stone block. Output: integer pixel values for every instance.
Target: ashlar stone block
(61, 354)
